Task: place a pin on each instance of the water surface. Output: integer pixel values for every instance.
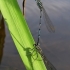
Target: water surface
(56, 46)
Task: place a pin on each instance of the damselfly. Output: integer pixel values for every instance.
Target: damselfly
(50, 28)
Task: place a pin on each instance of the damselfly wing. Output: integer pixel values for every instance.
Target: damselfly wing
(48, 22)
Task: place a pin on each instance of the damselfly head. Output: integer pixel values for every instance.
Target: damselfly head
(39, 4)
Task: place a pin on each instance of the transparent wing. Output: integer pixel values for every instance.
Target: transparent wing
(48, 22)
(48, 65)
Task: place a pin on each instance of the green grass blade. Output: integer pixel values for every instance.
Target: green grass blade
(21, 34)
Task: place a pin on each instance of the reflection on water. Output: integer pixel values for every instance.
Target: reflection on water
(23, 5)
(2, 36)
